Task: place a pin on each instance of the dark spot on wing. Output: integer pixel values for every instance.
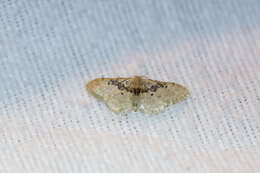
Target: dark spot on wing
(160, 85)
(137, 90)
(121, 86)
(153, 88)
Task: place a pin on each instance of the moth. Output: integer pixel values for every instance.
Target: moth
(137, 93)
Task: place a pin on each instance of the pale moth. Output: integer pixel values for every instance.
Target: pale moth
(137, 93)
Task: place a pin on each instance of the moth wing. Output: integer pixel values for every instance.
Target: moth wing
(116, 99)
(120, 101)
(153, 102)
(101, 88)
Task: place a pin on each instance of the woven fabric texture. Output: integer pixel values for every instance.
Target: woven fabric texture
(50, 49)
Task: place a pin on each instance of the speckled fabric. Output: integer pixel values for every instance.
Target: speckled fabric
(49, 50)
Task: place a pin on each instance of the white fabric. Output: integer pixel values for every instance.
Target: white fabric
(50, 49)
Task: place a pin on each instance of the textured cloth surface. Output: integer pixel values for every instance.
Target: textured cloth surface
(50, 49)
